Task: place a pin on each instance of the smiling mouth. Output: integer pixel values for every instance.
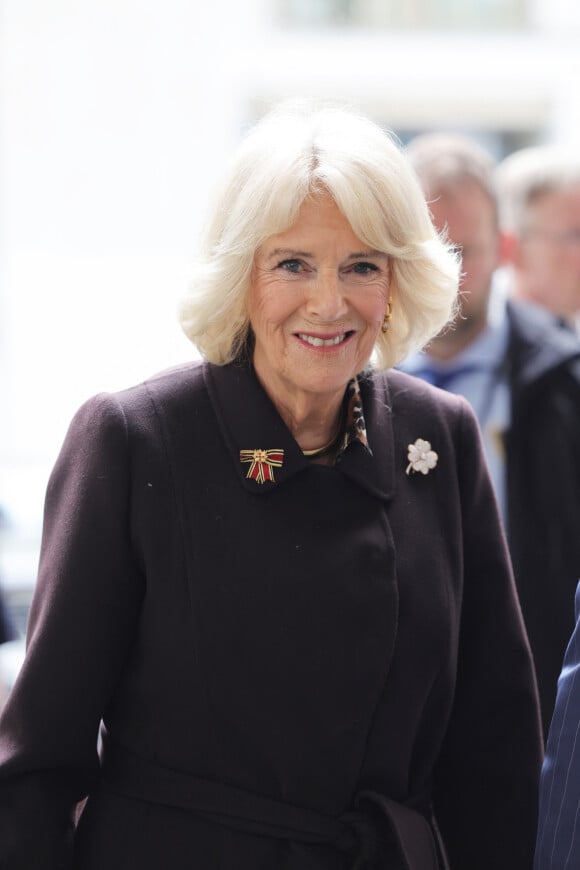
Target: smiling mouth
(315, 341)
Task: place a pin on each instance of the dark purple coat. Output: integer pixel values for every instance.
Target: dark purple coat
(280, 667)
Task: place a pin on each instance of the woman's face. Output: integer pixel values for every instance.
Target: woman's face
(317, 301)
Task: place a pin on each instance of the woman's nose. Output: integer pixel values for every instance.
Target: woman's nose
(326, 298)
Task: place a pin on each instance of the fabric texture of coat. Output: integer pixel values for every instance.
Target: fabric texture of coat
(543, 486)
(289, 674)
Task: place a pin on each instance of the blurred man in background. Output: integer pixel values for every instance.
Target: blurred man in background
(7, 629)
(539, 199)
(521, 373)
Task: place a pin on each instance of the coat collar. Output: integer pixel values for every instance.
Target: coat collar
(538, 346)
(248, 420)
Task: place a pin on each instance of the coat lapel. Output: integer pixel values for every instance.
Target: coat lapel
(249, 421)
(374, 470)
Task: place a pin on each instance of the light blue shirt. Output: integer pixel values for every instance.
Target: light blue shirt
(484, 383)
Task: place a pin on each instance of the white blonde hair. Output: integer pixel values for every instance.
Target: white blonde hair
(445, 161)
(296, 151)
(529, 174)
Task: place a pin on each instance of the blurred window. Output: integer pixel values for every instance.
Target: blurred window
(412, 14)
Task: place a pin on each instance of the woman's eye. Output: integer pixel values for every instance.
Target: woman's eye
(364, 268)
(290, 265)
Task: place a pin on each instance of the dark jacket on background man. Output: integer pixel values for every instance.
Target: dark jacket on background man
(543, 485)
(7, 632)
(7, 629)
(289, 673)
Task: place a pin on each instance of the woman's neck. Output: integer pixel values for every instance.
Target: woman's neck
(313, 417)
(314, 424)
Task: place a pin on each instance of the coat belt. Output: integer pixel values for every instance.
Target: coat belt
(378, 833)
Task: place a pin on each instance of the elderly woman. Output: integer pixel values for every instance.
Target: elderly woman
(274, 582)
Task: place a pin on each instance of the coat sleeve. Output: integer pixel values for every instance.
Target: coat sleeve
(558, 843)
(486, 780)
(81, 622)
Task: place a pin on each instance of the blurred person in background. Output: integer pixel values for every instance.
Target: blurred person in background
(521, 373)
(539, 205)
(276, 581)
(7, 633)
(7, 629)
(558, 841)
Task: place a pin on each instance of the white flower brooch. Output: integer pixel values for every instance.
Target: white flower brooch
(421, 457)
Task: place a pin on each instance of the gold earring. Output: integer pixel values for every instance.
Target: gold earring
(386, 324)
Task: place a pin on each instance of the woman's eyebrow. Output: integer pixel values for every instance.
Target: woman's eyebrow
(368, 254)
(288, 252)
(292, 252)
